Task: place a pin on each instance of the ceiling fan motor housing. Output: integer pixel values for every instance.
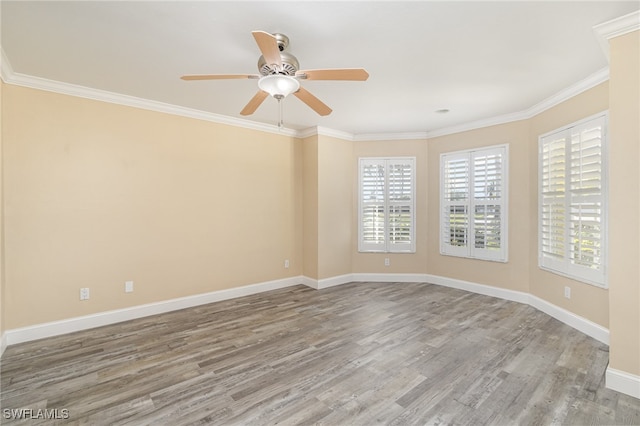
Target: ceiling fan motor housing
(289, 62)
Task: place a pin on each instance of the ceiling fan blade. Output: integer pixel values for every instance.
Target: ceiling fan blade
(218, 76)
(351, 74)
(269, 47)
(314, 103)
(254, 103)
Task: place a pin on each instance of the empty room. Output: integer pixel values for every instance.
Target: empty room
(336, 213)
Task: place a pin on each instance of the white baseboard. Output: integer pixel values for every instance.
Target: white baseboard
(334, 281)
(362, 277)
(487, 290)
(55, 328)
(623, 382)
(390, 278)
(3, 343)
(327, 282)
(310, 282)
(579, 323)
(617, 380)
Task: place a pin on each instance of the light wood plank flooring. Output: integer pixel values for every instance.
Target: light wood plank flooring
(356, 354)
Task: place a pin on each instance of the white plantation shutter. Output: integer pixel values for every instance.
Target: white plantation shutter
(387, 188)
(487, 204)
(552, 187)
(473, 203)
(455, 214)
(400, 205)
(572, 228)
(372, 205)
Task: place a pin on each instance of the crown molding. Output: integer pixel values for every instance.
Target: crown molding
(575, 89)
(11, 77)
(339, 134)
(333, 133)
(478, 124)
(324, 131)
(5, 66)
(563, 95)
(390, 136)
(305, 133)
(615, 28)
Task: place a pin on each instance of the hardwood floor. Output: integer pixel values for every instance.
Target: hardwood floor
(356, 354)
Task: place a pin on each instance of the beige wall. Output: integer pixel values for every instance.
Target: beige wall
(512, 275)
(334, 206)
(587, 301)
(624, 200)
(310, 206)
(97, 194)
(400, 263)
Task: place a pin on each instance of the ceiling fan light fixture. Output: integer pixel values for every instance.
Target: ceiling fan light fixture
(278, 85)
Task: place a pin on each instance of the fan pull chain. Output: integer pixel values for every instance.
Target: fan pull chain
(280, 120)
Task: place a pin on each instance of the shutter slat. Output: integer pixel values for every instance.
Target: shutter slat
(386, 204)
(571, 199)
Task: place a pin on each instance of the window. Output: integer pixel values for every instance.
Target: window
(572, 200)
(387, 209)
(473, 203)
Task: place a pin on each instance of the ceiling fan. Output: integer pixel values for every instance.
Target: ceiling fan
(280, 75)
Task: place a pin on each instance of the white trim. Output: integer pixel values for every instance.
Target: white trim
(581, 86)
(6, 71)
(55, 328)
(471, 202)
(3, 343)
(487, 290)
(390, 278)
(363, 277)
(338, 134)
(310, 282)
(387, 245)
(389, 136)
(70, 325)
(615, 28)
(575, 321)
(565, 94)
(11, 77)
(132, 101)
(621, 381)
(563, 266)
(580, 122)
(334, 281)
(324, 131)
(581, 324)
(327, 282)
(479, 124)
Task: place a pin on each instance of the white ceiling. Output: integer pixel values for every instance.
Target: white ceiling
(477, 59)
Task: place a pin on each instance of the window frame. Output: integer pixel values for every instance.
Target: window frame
(387, 246)
(469, 249)
(565, 267)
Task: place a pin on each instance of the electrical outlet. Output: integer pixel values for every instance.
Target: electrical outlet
(286, 264)
(387, 262)
(128, 286)
(567, 292)
(84, 293)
